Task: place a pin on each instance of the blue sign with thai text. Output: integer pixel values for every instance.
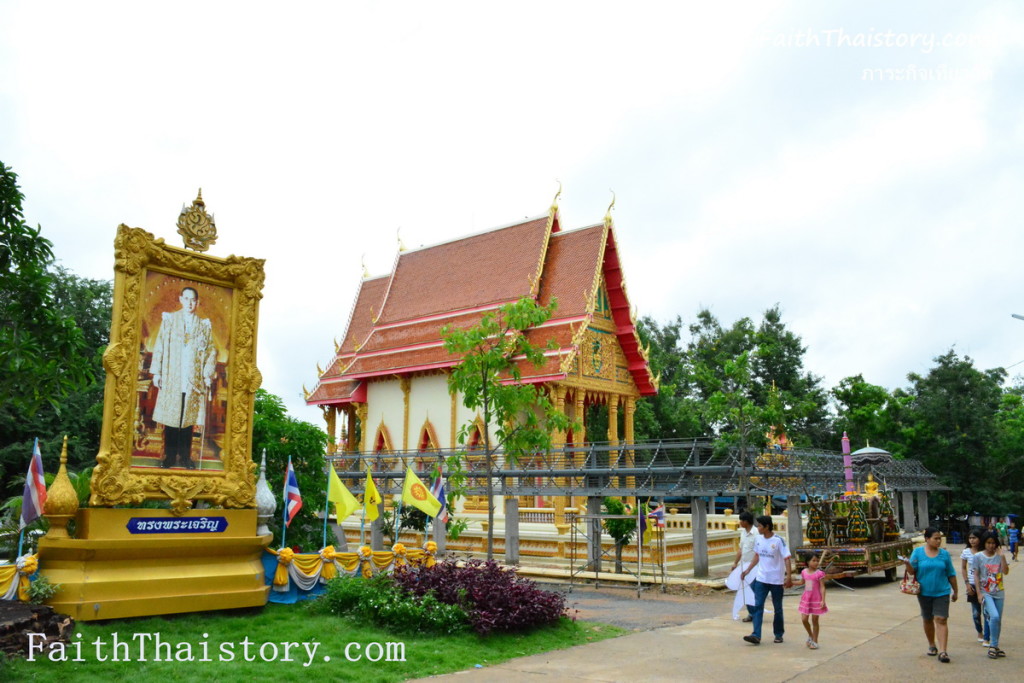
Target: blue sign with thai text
(184, 525)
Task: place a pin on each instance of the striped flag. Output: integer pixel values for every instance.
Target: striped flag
(658, 515)
(34, 497)
(437, 491)
(292, 497)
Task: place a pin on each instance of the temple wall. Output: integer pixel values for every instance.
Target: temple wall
(429, 399)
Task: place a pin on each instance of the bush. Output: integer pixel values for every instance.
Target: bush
(493, 598)
(382, 602)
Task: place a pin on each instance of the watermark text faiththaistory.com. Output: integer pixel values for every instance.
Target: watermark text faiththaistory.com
(151, 647)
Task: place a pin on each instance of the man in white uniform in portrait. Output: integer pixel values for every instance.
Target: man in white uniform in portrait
(184, 360)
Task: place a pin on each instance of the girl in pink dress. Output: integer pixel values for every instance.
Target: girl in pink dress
(812, 602)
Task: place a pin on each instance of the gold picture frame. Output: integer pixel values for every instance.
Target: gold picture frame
(149, 277)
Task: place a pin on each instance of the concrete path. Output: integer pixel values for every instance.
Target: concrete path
(873, 634)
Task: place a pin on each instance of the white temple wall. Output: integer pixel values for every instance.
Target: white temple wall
(429, 399)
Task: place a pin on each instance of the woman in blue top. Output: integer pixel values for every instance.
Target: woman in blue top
(933, 568)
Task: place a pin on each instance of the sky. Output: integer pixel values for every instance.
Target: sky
(860, 166)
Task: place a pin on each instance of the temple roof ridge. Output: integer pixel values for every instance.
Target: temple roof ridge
(477, 233)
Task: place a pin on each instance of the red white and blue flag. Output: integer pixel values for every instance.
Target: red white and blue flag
(292, 497)
(34, 497)
(437, 490)
(658, 515)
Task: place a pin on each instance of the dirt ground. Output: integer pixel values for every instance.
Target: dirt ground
(653, 609)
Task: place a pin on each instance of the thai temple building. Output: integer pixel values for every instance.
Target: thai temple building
(387, 380)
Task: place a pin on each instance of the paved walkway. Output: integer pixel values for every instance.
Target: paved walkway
(873, 634)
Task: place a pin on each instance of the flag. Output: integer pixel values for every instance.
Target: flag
(658, 515)
(644, 533)
(34, 497)
(371, 498)
(414, 493)
(437, 491)
(292, 497)
(344, 502)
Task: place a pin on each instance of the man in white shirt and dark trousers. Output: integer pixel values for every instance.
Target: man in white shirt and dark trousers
(745, 555)
(771, 560)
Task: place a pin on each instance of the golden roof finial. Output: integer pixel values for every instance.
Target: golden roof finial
(196, 227)
(305, 392)
(554, 202)
(608, 214)
(337, 347)
(401, 244)
(366, 273)
(319, 370)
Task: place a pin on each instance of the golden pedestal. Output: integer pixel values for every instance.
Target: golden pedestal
(108, 572)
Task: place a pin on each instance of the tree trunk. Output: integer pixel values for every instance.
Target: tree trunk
(618, 557)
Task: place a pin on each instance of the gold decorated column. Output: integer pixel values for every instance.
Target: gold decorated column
(405, 382)
(581, 437)
(362, 410)
(630, 454)
(558, 460)
(613, 431)
(331, 418)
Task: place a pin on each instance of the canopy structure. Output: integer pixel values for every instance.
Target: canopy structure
(682, 468)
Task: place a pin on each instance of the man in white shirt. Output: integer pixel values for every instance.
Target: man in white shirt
(771, 559)
(744, 556)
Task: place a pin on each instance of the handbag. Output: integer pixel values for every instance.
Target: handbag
(909, 585)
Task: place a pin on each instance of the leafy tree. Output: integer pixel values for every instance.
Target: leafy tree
(951, 425)
(869, 413)
(621, 530)
(518, 418)
(53, 329)
(672, 413)
(281, 436)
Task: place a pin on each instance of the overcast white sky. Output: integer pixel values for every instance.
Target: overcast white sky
(861, 166)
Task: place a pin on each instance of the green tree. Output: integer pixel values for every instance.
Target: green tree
(951, 426)
(53, 329)
(281, 436)
(621, 530)
(518, 418)
(672, 413)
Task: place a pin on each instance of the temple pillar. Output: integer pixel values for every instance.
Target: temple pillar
(613, 437)
(908, 511)
(923, 519)
(699, 522)
(593, 526)
(630, 408)
(557, 462)
(581, 437)
(405, 382)
(361, 412)
(331, 418)
(795, 527)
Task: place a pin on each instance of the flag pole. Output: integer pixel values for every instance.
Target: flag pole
(284, 506)
(327, 504)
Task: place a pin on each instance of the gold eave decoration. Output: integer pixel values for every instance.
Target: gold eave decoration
(196, 227)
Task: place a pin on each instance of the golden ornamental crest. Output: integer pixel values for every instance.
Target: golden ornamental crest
(196, 226)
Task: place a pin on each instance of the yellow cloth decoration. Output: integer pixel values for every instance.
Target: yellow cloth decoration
(284, 558)
(329, 571)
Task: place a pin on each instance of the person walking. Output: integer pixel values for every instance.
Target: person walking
(989, 568)
(744, 556)
(812, 602)
(1014, 534)
(972, 548)
(772, 562)
(933, 568)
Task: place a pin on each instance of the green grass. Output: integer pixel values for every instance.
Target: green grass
(424, 655)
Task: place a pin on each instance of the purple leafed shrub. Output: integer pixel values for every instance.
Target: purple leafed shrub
(495, 599)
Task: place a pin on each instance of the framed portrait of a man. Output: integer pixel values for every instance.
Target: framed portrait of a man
(181, 377)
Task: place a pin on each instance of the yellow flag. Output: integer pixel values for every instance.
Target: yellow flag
(344, 502)
(371, 498)
(414, 493)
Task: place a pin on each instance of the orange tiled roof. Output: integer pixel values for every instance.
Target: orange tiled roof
(455, 283)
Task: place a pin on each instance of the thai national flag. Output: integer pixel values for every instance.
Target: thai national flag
(292, 497)
(437, 490)
(658, 515)
(34, 497)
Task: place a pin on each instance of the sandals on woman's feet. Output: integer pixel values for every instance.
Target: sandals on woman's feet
(993, 652)
(944, 658)
(813, 645)
(932, 651)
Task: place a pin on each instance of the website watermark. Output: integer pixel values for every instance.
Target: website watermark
(939, 74)
(840, 38)
(150, 647)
